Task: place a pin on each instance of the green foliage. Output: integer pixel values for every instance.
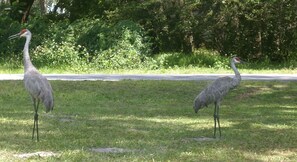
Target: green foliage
(251, 29)
(125, 53)
(127, 34)
(99, 36)
(57, 54)
(8, 27)
(86, 42)
(119, 46)
(199, 58)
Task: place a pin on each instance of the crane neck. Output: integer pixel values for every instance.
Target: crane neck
(237, 74)
(27, 62)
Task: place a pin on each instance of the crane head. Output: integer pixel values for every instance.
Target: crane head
(237, 60)
(200, 102)
(198, 105)
(23, 33)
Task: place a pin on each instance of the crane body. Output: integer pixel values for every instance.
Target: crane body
(215, 92)
(35, 83)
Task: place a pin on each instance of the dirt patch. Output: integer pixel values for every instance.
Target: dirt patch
(201, 139)
(63, 118)
(38, 154)
(111, 150)
(66, 120)
(249, 93)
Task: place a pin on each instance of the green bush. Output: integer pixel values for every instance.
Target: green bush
(199, 58)
(8, 27)
(119, 46)
(86, 42)
(126, 53)
(51, 53)
(95, 44)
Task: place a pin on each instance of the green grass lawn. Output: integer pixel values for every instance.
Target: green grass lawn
(153, 120)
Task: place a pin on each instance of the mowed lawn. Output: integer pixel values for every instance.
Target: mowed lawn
(150, 121)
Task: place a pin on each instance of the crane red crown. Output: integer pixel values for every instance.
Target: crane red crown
(23, 31)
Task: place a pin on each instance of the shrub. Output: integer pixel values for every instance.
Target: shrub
(118, 46)
(8, 27)
(126, 53)
(200, 58)
(51, 53)
(92, 42)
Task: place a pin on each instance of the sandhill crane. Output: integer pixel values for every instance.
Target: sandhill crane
(35, 83)
(215, 92)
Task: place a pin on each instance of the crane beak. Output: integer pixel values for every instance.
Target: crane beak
(243, 62)
(14, 36)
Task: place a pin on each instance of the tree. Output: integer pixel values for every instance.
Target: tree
(21, 9)
(42, 6)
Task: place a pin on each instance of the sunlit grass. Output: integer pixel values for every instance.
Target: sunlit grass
(155, 119)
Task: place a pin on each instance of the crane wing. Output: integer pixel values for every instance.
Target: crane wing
(219, 88)
(39, 87)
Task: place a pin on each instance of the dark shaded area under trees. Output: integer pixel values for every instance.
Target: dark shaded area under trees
(252, 29)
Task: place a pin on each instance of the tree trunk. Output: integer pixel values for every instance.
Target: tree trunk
(189, 43)
(259, 44)
(21, 5)
(42, 5)
(26, 10)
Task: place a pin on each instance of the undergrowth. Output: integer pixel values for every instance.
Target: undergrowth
(66, 60)
(95, 45)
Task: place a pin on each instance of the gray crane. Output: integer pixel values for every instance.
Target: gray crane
(35, 83)
(215, 92)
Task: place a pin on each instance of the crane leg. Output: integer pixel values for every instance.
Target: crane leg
(34, 105)
(216, 118)
(215, 121)
(35, 127)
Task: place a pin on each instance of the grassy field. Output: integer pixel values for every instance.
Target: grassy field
(150, 121)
